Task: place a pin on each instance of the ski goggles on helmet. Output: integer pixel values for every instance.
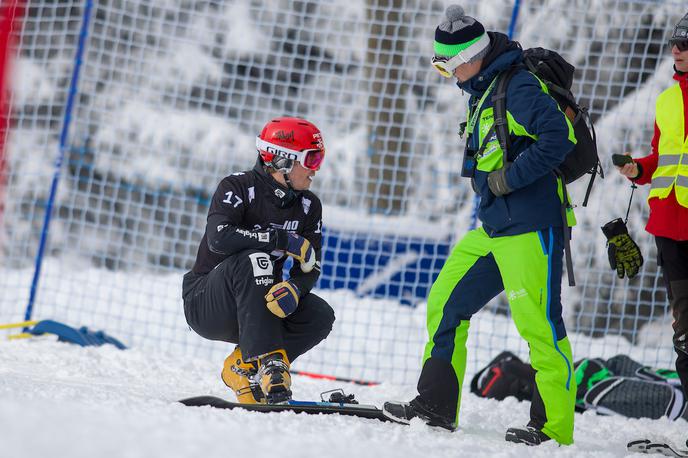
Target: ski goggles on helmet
(308, 158)
(680, 43)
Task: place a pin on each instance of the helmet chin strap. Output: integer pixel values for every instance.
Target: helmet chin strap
(291, 195)
(288, 181)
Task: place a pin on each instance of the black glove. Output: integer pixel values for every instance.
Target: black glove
(496, 181)
(624, 254)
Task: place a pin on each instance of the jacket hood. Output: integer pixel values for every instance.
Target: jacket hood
(503, 54)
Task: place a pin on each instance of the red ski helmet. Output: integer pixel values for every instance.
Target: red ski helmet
(285, 140)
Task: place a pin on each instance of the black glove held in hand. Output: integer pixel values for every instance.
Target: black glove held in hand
(496, 181)
(624, 254)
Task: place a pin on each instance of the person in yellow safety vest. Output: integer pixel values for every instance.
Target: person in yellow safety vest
(666, 169)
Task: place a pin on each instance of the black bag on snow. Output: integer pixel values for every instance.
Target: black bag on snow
(622, 386)
(616, 386)
(506, 375)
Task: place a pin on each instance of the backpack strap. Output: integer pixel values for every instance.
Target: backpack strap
(565, 204)
(500, 118)
(567, 95)
(583, 112)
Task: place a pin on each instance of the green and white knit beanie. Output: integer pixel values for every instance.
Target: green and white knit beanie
(461, 34)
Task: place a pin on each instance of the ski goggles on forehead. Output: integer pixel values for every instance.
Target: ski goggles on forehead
(680, 43)
(309, 158)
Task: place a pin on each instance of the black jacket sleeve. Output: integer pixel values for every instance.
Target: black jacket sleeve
(313, 233)
(224, 227)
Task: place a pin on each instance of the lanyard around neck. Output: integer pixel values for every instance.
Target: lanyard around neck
(474, 115)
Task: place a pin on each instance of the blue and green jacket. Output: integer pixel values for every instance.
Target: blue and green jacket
(541, 138)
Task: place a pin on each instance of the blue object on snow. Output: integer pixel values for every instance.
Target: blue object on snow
(82, 336)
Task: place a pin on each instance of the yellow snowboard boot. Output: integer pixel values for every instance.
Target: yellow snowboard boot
(273, 377)
(240, 376)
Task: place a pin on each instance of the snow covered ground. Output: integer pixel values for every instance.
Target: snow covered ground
(60, 400)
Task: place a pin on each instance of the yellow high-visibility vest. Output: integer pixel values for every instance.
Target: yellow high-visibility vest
(672, 166)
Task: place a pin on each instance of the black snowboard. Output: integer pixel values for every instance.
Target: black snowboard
(309, 407)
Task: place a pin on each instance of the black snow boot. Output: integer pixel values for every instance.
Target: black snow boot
(403, 412)
(527, 435)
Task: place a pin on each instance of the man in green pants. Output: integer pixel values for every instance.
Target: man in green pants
(518, 249)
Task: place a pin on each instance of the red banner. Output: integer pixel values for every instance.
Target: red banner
(10, 20)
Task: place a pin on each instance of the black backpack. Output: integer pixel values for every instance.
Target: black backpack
(557, 74)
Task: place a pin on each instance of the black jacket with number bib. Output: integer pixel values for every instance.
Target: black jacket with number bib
(247, 211)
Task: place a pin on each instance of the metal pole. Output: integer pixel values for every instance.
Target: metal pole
(60, 156)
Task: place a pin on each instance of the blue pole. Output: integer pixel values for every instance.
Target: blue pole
(60, 156)
(512, 27)
(514, 18)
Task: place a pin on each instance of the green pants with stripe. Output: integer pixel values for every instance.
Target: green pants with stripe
(529, 268)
